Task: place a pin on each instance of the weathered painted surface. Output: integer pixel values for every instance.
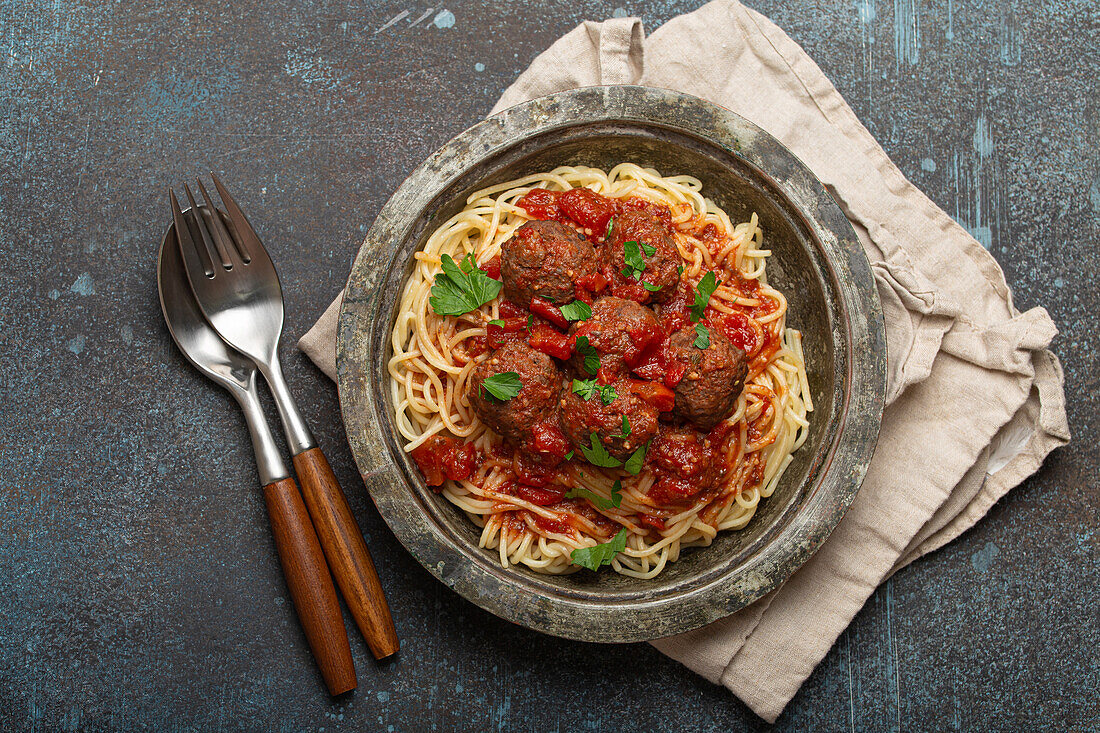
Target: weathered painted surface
(138, 582)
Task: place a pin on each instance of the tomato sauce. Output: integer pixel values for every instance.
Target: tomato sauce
(586, 208)
(443, 457)
(689, 465)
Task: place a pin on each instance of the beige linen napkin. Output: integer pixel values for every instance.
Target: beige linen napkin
(975, 400)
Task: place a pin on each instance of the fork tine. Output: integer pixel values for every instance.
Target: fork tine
(221, 235)
(247, 240)
(204, 232)
(189, 249)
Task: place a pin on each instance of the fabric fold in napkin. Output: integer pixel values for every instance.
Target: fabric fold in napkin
(970, 382)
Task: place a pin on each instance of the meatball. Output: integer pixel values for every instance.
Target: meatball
(545, 258)
(581, 418)
(714, 376)
(537, 400)
(686, 463)
(661, 267)
(619, 330)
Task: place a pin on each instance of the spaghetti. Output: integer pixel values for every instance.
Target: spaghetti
(435, 355)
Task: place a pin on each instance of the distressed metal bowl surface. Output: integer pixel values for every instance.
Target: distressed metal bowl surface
(817, 262)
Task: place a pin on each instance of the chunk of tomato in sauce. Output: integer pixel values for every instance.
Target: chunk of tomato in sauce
(656, 366)
(588, 208)
(545, 309)
(549, 341)
(655, 394)
(737, 327)
(443, 457)
(492, 268)
(649, 520)
(497, 335)
(548, 441)
(541, 203)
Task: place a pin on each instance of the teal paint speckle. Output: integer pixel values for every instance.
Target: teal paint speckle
(983, 559)
(1094, 195)
(84, 285)
(906, 32)
(127, 334)
(383, 696)
(444, 19)
(929, 165)
(54, 294)
(76, 344)
(619, 13)
(983, 138)
(479, 66)
(983, 234)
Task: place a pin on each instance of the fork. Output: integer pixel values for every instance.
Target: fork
(238, 291)
(307, 575)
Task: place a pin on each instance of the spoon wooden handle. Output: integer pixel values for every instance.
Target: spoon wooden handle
(346, 551)
(310, 585)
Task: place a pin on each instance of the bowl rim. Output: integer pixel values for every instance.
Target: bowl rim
(569, 614)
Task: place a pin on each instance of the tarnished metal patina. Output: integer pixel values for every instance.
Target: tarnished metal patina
(817, 262)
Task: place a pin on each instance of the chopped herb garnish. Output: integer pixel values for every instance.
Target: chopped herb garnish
(637, 460)
(497, 322)
(588, 351)
(503, 386)
(703, 291)
(596, 557)
(626, 426)
(578, 310)
(598, 501)
(651, 287)
(589, 388)
(530, 321)
(569, 456)
(459, 290)
(632, 256)
(702, 336)
(680, 270)
(648, 249)
(597, 455)
(610, 226)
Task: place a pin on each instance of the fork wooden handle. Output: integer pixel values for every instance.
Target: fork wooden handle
(346, 551)
(310, 585)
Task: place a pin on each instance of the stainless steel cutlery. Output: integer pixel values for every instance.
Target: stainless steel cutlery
(223, 303)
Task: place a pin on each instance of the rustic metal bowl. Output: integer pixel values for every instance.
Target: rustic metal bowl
(817, 262)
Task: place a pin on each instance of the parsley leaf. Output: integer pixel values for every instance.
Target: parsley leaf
(595, 557)
(680, 270)
(637, 460)
(598, 501)
(497, 322)
(589, 388)
(597, 455)
(503, 386)
(578, 310)
(703, 291)
(459, 290)
(632, 256)
(651, 287)
(610, 226)
(588, 351)
(648, 249)
(530, 321)
(569, 456)
(702, 339)
(626, 426)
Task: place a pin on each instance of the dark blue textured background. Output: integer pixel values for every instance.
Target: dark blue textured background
(138, 582)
